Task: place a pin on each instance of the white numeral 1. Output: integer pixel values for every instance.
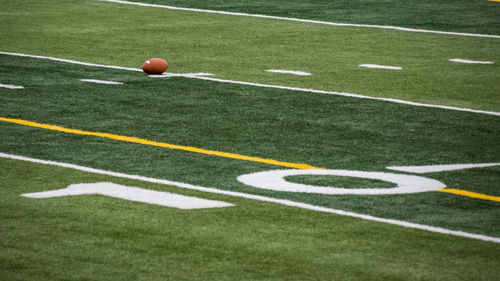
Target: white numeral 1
(133, 194)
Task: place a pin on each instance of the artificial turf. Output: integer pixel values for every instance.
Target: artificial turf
(100, 238)
(443, 15)
(241, 48)
(94, 237)
(321, 130)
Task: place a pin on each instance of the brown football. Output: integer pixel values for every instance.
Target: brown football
(155, 66)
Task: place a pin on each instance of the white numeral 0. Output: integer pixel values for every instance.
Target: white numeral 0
(275, 180)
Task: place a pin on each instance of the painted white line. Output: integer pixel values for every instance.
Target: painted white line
(71, 61)
(470, 61)
(303, 20)
(294, 72)
(439, 168)
(188, 75)
(380, 66)
(259, 198)
(274, 86)
(101, 82)
(13, 87)
(132, 193)
(352, 96)
(275, 180)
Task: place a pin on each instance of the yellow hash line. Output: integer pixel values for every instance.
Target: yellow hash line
(159, 144)
(470, 194)
(205, 151)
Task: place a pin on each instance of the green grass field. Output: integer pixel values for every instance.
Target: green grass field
(244, 48)
(459, 15)
(95, 237)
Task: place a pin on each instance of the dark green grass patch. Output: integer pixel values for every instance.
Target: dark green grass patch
(100, 238)
(461, 16)
(321, 130)
(344, 182)
(241, 48)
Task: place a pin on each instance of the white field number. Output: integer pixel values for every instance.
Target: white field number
(276, 180)
(131, 193)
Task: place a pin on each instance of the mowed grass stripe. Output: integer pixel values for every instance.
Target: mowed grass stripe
(232, 48)
(336, 132)
(459, 15)
(258, 198)
(299, 20)
(306, 90)
(207, 152)
(158, 144)
(251, 241)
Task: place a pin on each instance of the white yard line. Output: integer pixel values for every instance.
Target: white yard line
(164, 75)
(440, 168)
(71, 61)
(302, 20)
(102, 66)
(101, 82)
(294, 72)
(352, 96)
(494, 113)
(470, 61)
(258, 198)
(12, 87)
(380, 66)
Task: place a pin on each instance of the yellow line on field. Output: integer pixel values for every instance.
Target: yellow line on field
(470, 194)
(158, 144)
(494, 0)
(205, 151)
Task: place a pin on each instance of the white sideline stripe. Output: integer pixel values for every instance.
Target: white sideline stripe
(302, 20)
(380, 66)
(270, 86)
(13, 87)
(259, 198)
(101, 82)
(440, 168)
(294, 72)
(471, 61)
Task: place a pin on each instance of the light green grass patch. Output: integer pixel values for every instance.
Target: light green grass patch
(345, 182)
(102, 238)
